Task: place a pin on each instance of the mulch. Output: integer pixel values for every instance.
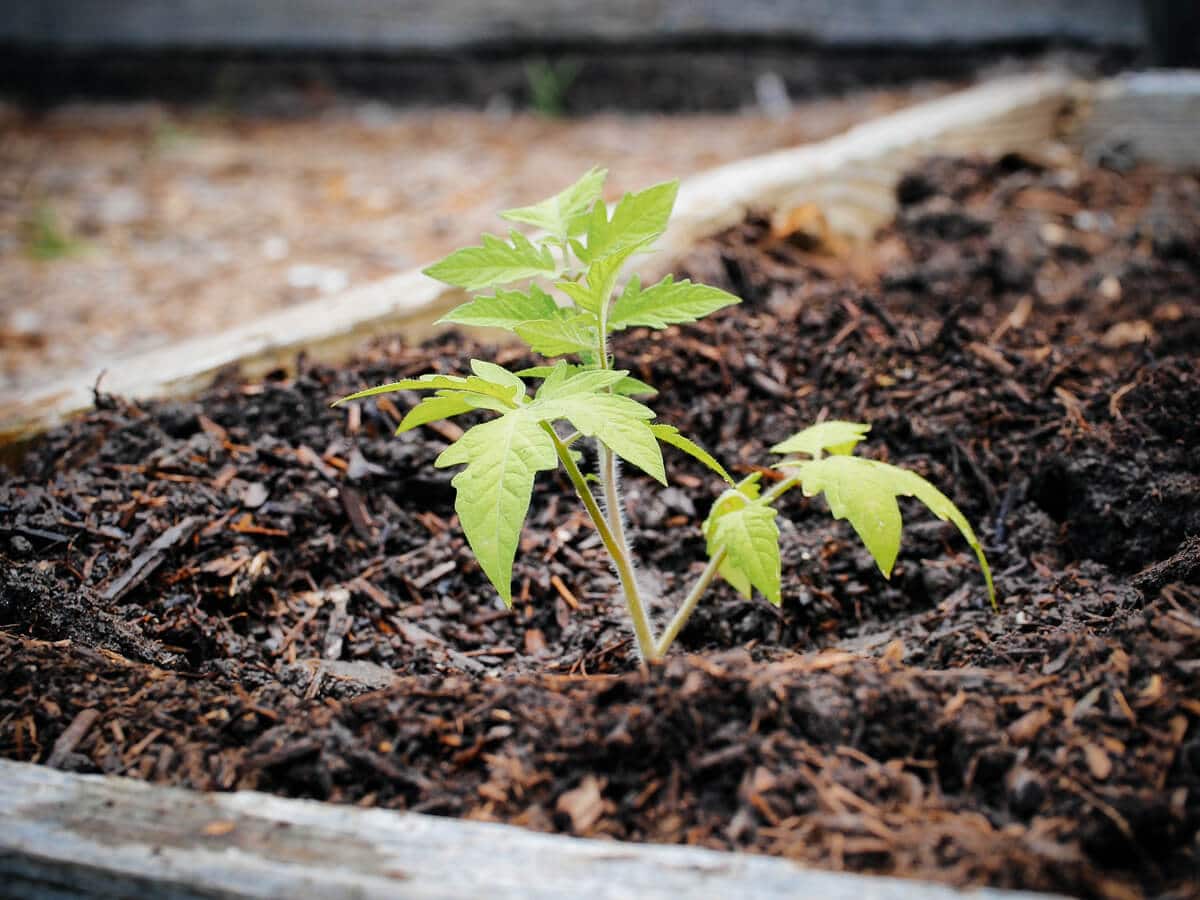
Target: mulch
(251, 590)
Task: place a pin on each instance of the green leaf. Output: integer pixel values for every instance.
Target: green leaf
(507, 309)
(564, 380)
(628, 385)
(669, 434)
(595, 290)
(864, 492)
(502, 457)
(433, 409)
(543, 371)
(838, 438)
(559, 335)
(432, 382)
(620, 423)
(565, 214)
(669, 302)
(499, 376)
(637, 220)
(634, 387)
(745, 528)
(496, 262)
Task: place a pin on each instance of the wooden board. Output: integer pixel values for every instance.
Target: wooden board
(447, 25)
(1151, 116)
(850, 176)
(67, 835)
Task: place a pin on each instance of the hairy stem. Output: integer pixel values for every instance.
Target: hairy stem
(611, 486)
(620, 556)
(612, 507)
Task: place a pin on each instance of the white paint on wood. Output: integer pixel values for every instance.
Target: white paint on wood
(68, 835)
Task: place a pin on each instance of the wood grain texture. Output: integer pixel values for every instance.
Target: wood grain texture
(65, 835)
(455, 24)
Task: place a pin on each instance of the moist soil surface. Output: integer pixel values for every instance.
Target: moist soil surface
(253, 590)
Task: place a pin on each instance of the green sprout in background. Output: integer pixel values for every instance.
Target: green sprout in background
(45, 237)
(580, 255)
(548, 84)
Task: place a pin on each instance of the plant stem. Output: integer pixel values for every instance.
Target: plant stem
(780, 488)
(612, 507)
(620, 557)
(611, 486)
(689, 603)
(680, 619)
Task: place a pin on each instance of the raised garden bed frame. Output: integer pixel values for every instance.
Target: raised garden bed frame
(72, 835)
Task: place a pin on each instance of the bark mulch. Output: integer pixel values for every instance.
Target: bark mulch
(252, 590)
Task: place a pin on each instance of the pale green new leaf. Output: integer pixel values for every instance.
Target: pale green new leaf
(620, 423)
(502, 457)
(506, 309)
(744, 527)
(431, 382)
(558, 335)
(499, 376)
(836, 437)
(637, 220)
(565, 214)
(627, 386)
(445, 405)
(864, 492)
(669, 302)
(669, 434)
(594, 292)
(634, 387)
(565, 380)
(735, 498)
(495, 262)
(751, 541)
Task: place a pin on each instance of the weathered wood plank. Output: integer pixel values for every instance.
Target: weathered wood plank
(421, 25)
(67, 835)
(850, 176)
(1149, 117)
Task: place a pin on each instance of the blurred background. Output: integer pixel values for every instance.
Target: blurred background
(171, 167)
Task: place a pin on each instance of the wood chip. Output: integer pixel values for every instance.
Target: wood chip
(150, 559)
(1098, 762)
(564, 592)
(440, 570)
(70, 738)
(583, 805)
(339, 622)
(1026, 728)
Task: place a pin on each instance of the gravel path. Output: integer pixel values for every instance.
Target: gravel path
(124, 227)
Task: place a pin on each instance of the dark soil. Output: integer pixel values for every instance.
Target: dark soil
(255, 591)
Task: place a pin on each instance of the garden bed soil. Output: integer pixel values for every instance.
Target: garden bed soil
(252, 590)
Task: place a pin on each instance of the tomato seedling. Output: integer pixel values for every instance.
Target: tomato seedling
(579, 255)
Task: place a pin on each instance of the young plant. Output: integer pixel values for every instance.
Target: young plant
(579, 254)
